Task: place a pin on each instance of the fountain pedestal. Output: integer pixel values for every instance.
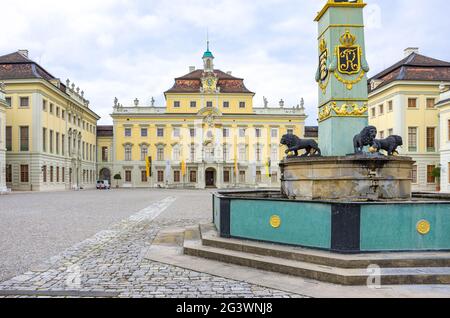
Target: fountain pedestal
(350, 178)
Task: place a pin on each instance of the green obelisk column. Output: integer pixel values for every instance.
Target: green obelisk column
(341, 76)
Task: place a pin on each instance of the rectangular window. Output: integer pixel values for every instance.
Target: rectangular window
(8, 101)
(8, 173)
(381, 109)
(51, 174)
(160, 176)
(57, 143)
(57, 174)
(127, 175)
(24, 101)
(51, 141)
(144, 132)
(258, 132)
(373, 112)
(44, 105)
(226, 133)
(290, 131)
(241, 176)
(160, 132)
(226, 104)
(51, 108)
(44, 139)
(144, 177)
(381, 134)
(105, 154)
(412, 102)
(226, 176)
(63, 174)
(193, 176)
(193, 104)
(242, 153)
(44, 174)
(144, 153)
(57, 111)
(63, 114)
(430, 178)
(274, 133)
(24, 174)
(390, 132)
(431, 103)
(63, 145)
(209, 104)
(160, 154)
(431, 139)
(258, 153)
(258, 177)
(8, 138)
(412, 139)
(176, 132)
(226, 153)
(192, 132)
(127, 132)
(176, 176)
(241, 104)
(176, 104)
(390, 106)
(242, 132)
(192, 153)
(24, 139)
(70, 175)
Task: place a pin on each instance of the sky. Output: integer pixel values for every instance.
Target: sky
(135, 48)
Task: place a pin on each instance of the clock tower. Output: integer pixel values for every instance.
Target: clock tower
(208, 60)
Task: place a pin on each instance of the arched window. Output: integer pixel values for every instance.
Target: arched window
(209, 152)
(144, 152)
(176, 153)
(128, 153)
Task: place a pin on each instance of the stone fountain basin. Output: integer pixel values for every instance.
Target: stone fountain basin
(341, 226)
(361, 177)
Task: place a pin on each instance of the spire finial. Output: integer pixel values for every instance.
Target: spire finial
(207, 39)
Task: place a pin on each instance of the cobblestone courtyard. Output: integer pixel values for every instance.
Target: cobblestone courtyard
(93, 243)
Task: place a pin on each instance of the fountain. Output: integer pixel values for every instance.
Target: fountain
(342, 196)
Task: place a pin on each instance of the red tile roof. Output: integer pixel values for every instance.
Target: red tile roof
(415, 67)
(105, 131)
(191, 83)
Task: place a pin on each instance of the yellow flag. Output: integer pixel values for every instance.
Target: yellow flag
(148, 166)
(183, 168)
(268, 169)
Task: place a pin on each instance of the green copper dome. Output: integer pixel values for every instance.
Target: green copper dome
(208, 53)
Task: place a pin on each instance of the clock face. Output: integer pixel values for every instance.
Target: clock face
(209, 83)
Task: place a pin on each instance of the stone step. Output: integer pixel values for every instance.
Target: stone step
(210, 238)
(334, 275)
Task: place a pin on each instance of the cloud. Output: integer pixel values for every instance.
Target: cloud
(135, 48)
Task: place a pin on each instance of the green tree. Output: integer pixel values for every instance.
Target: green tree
(117, 177)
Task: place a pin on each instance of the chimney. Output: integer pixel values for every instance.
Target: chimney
(24, 53)
(191, 69)
(411, 50)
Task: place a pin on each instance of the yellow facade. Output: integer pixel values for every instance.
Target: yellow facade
(209, 123)
(59, 151)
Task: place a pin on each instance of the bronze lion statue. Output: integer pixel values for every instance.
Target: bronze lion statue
(390, 144)
(365, 138)
(295, 144)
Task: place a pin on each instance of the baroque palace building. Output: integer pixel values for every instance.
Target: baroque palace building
(50, 131)
(209, 134)
(403, 101)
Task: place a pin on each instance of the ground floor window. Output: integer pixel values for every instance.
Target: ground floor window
(414, 174)
(193, 176)
(24, 174)
(241, 176)
(258, 177)
(144, 176)
(8, 173)
(70, 175)
(430, 178)
(57, 174)
(177, 176)
(275, 177)
(127, 176)
(44, 174)
(160, 176)
(51, 174)
(63, 174)
(226, 176)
